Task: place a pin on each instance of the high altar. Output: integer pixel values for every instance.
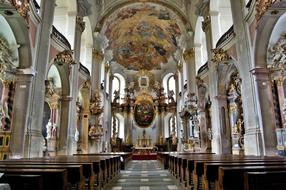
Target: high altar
(143, 115)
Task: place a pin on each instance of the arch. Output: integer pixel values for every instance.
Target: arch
(121, 4)
(264, 31)
(121, 125)
(18, 27)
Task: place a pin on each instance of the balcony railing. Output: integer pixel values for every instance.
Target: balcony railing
(84, 69)
(202, 68)
(60, 37)
(225, 36)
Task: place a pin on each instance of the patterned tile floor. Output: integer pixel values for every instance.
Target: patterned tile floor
(144, 175)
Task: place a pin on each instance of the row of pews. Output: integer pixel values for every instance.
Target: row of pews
(209, 171)
(80, 171)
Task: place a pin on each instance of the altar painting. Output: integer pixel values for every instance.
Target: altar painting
(144, 112)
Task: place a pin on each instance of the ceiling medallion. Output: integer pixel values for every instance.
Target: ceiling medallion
(142, 36)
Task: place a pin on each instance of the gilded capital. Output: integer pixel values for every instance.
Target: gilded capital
(22, 7)
(98, 55)
(189, 54)
(80, 23)
(219, 55)
(262, 6)
(106, 67)
(206, 23)
(65, 57)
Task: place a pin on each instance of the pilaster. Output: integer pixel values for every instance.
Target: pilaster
(34, 138)
(253, 142)
(266, 114)
(21, 102)
(79, 28)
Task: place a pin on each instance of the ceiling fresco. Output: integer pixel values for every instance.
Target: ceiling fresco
(142, 35)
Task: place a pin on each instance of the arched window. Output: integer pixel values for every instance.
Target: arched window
(172, 126)
(118, 84)
(169, 84)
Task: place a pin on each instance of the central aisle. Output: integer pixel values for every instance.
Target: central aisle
(144, 175)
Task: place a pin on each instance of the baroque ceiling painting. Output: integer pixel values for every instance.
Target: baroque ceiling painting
(142, 36)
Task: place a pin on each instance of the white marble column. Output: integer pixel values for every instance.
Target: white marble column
(189, 57)
(215, 26)
(97, 61)
(34, 138)
(79, 28)
(250, 92)
(213, 90)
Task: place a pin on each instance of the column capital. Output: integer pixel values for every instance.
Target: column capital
(80, 23)
(189, 54)
(106, 67)
(97, 54)
(219, 55)
(262, 7)
(65, 57)
(206, 23)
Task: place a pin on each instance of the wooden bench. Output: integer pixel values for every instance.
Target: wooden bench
(211, 169)
(24, 182)
(274, 180)
(233, 177)
(52, 178)
(74, 172)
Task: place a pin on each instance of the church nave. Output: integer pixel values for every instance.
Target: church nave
(144, 175)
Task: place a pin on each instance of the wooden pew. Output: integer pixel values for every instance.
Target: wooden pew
(274, 180)
(210, 175)
(52, 178)
(233, 177)
(90, 168)
(74, 172)
(24, 182)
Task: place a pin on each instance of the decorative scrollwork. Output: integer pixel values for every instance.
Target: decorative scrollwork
(262, 6)
(65, 57)
(277, 55)
(219, 55)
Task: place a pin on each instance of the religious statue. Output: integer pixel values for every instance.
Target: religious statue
(171, 96)
(116, 96)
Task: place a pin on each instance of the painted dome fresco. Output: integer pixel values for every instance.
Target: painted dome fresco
(142, 35)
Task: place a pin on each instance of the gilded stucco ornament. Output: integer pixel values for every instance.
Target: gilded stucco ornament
(262, 6)
(189, 54)
(219, 55)
(6, 61)
(277, 55)
(65, 57)
(97, 55)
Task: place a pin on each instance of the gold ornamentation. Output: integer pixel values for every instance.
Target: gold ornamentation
(219, 55)
(97, 55)
(206, 23)
(80, 23)
(144, 73)
(262, 6)
(65, 57)
(189, 54)
(6, 60)
(277, 56)
(22, 6)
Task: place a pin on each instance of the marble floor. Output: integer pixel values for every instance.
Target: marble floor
(144, 175)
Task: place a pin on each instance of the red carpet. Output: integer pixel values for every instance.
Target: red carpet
(151, 156)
